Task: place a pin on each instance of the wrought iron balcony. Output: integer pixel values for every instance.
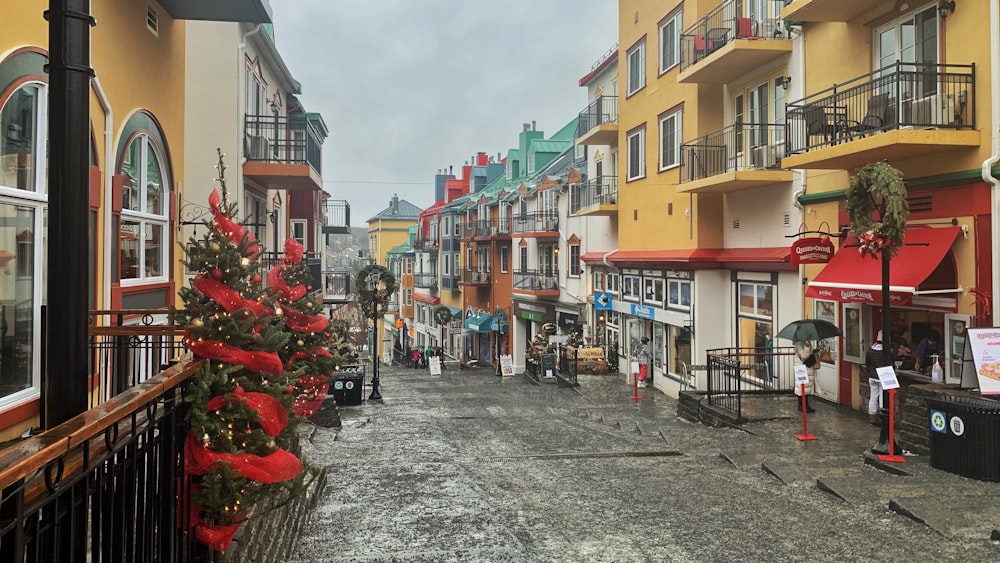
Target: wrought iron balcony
(426, 244)
(336, 217)
(539, 223)
(282, 152)
(596, 196)
(544, 282)
(475, 277)
(742, 37)
(425, 280)
(737, 157)
(337, 286)
(598, 124)
(899, 111)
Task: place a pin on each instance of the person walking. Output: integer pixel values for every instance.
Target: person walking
(806, 356)
(874, 358)
(642, 356)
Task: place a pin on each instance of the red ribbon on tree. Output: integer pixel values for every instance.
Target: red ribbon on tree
(275, 467)
(293, 251)
(301, 322)
(231, 229)
(257, 362)
(217, 536)
(280, 287)
(271, 414)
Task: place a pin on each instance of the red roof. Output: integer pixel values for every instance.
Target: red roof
(692, 257)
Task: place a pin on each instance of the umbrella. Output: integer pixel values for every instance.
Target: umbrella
(809, 329)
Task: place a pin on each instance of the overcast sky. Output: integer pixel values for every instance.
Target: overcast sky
(408, 87)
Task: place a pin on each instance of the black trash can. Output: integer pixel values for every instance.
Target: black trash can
(348, 388)
(965, 436)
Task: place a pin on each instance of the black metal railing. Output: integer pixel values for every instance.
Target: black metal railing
(282, 140)
(593, 192)
(426, 280)
(475, 277)
(727, 22)
(107, 485)
(735, 372)
(467, 230)
(896, 96)
(425, 244)
(337, 286)
(536, 222)
(602, 111)
(127, 347)
(743, 146)
(312, 260)
(536, 280)
(336, 216)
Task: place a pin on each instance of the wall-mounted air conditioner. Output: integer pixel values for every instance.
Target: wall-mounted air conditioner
(938, 109)
(260, 147)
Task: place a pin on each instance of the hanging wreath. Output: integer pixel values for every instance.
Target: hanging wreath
(442, 315)
(877, 208)
(375, 284)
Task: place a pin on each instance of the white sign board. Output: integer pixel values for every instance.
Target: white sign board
(801, 374)
(558, 338)
(435, 364)
(985, 344)
(506, 365)
(887, 377)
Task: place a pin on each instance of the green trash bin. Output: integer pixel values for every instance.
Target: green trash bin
(348, 388)
(965, 436)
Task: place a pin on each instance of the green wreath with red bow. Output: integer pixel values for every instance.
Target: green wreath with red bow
(877, 208)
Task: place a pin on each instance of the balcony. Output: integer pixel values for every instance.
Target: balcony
(489, 229)
(724, 45)
(282, 153)
(898, 112)
(536, 224)
(474, 277)
(426, 244)
(828, 10)
(598, 124)
(451, 282)
(739, 157)
(336, 217)
(337, 286)
(467, 230)
(596, 196)
(543, 283)
(425, 280)
(269, 260)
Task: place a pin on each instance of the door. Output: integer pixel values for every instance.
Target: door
(954, 345)
(852, 328)
(635, 332)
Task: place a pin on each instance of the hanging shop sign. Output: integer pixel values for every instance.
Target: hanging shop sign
(538, 312)
(812, 250)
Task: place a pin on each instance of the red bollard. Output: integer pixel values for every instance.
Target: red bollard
(805, 435)
(892, 430)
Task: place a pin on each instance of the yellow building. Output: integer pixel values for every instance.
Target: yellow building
(388, 229)
(137, 146)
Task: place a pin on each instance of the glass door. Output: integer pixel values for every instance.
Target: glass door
(954, 345)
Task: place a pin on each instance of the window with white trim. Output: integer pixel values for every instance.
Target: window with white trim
(670, 140)
(504, 259)
(630, 287)
(636, 68)
(612, 282)
(143, 235)
(653, 290)
(679, 294)
(670, 40)
(523, 258)
(574, 260)
(299, 231)
(636, 154)
(599, 280)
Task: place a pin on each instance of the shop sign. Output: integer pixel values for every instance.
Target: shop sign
(812, 250)
(642, 311)
(985, 345)
(538, 312)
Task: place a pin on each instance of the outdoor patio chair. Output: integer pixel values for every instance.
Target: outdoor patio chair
(717, 38)
(881, 115)
(745, 28)
(818, 123)
(701, 47)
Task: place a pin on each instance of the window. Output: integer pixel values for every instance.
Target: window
(580, 152)
(23, 139)
(434, 231)
(447, 264)
(679, 294)
(256, 92)
(670, 39)
(531, 163)
(256, 212)
(523, 258)
(456, 226)
(547, 201)
(630, 286)
(504, 217)
(911, 39)
(637, 68)
(599, 281)
(483, 259)
(652, 290)
(468, 257)
(612, 280)
(143, 234)
(409, 297)
(670, 140)
(637, 154)
(299, 231)
(679, 342)
(574, 260)
(504, 259)
(456, 262)
(409, 266)
(659, 345)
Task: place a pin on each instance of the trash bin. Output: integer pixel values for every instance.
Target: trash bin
(965, 436)
(348, 388)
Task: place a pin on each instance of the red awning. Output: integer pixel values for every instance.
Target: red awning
(427, 299)
(921, 267)
(692, 257)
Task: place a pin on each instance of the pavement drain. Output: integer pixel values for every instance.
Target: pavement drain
(590, 455)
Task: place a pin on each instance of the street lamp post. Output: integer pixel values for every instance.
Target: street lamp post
(375, 285)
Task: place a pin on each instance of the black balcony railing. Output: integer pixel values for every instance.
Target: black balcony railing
(425, 244)
(592, 193)
(337, 286)
(425, 280)
(744, 146)
(127, 347)
(451, 282)
(282, 140)
(729, 21)
(602, 111)
(897, 96)
(107, 485)
(467, 230)
(336, 217)
(536, 222)
(735, 372)
(269, 260)
(475, 277)
(536, 280)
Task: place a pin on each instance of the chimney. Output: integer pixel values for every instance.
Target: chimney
(451, 170)
(394, 204)
(527, 126)
(532, 124)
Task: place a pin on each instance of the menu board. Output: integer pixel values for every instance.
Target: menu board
(985, 344)
(506, 365)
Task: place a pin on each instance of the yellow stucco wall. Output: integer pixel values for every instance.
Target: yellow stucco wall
(388, 235)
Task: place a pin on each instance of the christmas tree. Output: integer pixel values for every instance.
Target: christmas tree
(237, 451)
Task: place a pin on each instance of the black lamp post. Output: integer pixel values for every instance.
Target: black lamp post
(375, 285)
(882, 446)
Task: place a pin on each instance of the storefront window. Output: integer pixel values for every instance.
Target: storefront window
(680, 348)
(659, 347)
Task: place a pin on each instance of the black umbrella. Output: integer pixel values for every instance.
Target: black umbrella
(809, 329)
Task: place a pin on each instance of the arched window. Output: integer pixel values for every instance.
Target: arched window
(144, 233)
(22, 139)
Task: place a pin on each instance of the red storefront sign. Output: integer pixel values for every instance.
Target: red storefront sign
(812, 251)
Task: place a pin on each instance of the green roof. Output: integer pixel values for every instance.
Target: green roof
(550, 146)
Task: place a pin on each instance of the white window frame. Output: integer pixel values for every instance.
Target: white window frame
(573, 269)
(636, 154)
(613, 283)
(631, 287)
(298, 227)
(670, 36)
(636, 68)
(673, 303)
(671, 129)
(144, 218)
(504, 259)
